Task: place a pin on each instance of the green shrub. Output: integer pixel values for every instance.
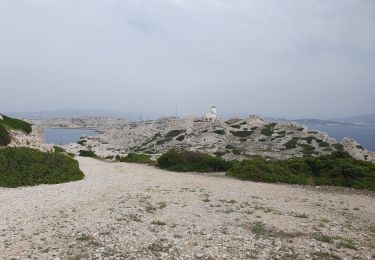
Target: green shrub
(338, 147)
(220, 154)
(27, 167)
(4, 136)
(85, 153)
(309, 139)
(337, 169)
(229, 146)
(187, 161)
(323, 144)
(236, 126)
(291, 143)
(268, 129)
(82, 142)
(136, 158)
(163, 141)
(360, 147)
(219, 132)
(174, 133)
(180, 138)
(16, 124)
(58, 149)
(307, 149)
(242, 133)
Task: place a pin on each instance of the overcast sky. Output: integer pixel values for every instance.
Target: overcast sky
(291, 58)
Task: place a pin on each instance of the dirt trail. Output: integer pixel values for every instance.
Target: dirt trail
(122, 211)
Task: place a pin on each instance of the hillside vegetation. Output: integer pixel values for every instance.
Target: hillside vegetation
(16, 124)
(11, 123)
(4, 136)
(336, 169)
(135, 158)
(187, 161)
(29, 167)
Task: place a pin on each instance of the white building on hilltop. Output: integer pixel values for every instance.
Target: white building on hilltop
(211, 116)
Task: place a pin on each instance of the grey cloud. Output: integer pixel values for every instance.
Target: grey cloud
(282, 58)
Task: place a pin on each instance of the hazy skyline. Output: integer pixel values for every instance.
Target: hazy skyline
(277, 58)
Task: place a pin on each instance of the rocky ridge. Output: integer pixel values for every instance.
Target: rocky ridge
(231, 139)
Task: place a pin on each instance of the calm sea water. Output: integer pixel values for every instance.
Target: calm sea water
(66, 135)
(364, 135)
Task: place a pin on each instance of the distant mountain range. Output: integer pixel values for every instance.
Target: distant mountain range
(368, 119)
(77, 113)
(360, 120)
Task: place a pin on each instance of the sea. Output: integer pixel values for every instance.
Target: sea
(66, 135)
(364, 135)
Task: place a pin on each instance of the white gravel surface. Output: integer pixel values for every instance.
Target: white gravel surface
(130, 211)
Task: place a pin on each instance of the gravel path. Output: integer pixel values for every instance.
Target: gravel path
(125, 211)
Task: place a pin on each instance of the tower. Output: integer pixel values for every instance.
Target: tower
(213, 110)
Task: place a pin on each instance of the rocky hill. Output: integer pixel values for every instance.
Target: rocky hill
(232, 139)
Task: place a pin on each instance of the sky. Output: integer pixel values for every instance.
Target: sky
(292, 58)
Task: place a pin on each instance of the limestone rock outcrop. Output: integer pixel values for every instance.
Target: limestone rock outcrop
(356, 150)
(33, 140)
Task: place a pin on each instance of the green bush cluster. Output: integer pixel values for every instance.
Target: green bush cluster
(58, 149)
(291, 143)
(16, 124)
(242, 133)
(4, 136)
(180, 138)
(27, 167)
(219, 131)
(268, 129)
(174, 133)
(187, 161)
(82, 142)
(337, 169)
(85, 153)
(135, 158)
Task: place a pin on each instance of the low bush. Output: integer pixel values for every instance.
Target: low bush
(336, 169)
(59, 149)
(229, 146)
(4, 136)
(174, 133)
(338, 147)
(85, 153)
(268, 129)
(219, 132)
(242, 133)
(291, 144)
(323, 144)
(27, 167)
(187, 161)
(180, 138)
(135, 158)
(82, 142)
